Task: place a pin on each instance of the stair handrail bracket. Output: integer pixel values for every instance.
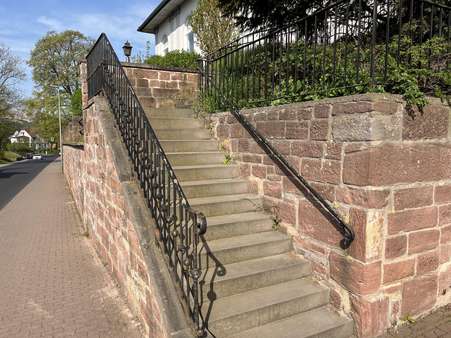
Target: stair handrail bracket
(179, 227)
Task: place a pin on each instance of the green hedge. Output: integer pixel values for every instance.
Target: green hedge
(176, 58)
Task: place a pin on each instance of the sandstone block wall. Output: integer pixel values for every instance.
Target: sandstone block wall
(160, 87)
(119, 223)
(387, 171)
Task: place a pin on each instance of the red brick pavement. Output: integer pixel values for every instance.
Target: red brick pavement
(51, 283)
(436, 325)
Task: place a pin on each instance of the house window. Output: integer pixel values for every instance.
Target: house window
(190, 42)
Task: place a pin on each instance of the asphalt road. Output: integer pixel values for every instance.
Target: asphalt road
(14, 177)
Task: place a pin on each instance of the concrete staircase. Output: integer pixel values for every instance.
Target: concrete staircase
(267, 290)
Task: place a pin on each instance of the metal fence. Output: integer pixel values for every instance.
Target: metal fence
(180, 228)
(350, 46)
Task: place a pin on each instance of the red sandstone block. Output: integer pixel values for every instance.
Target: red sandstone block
(274, 129)
(442, 194)
(258, 171)
(395, 246)
(281, 146)
(413, 197)
(444, 214)
(352, 107)
(445, 253)
(322, 110)
(237, 131)
(399, 270)
(357, 277)
(142, 83)
(307, 149)
(243, 145)
(387, 107)
(427, 262)
(273, 114)
(432, 123)
(373, 199)
(327, 171)
(333, 150)
(395, 163)
(445, 235)
(371, 316)
(319, 129)
(304, 114)
(326, 190)
(287, 212)
(176, 76)
(444, 282)
(251, 158)
(145, 74)
(287, 114)
(423, 241)
(272, 189)
(419, 295)
(164, 75)
(316, 224)
(245, 170)
(296, 130)
(358, 222)
(411, 220)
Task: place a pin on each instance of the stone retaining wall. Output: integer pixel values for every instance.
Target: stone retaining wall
(387, 171)
(119, 224)
(160, 87)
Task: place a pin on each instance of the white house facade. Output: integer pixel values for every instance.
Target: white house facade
(21, 136)
(169, 23)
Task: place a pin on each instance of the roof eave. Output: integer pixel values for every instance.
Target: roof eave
(144, 26)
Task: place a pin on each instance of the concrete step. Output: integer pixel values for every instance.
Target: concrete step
(181, 134)
(196, 158)
(173, 113)
(179, 123)
(206, 172)
(227, 204)
(254, 274)
(207, 188)
(246, 247)
(317, 323)
(189, 145)
(230, 315)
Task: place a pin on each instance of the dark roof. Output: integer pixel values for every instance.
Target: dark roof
(161, 5)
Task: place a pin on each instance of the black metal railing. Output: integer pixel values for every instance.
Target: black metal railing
(347, 47)
(180, 228)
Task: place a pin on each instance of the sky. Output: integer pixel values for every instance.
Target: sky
(24, 22)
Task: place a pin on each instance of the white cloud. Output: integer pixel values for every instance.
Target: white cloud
(50, 23)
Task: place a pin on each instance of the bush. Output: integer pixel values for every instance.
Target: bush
(176, 58)
(19, 148)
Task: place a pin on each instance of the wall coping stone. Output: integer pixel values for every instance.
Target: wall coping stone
(153, 67)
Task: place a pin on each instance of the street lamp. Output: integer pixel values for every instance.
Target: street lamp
(127, 48)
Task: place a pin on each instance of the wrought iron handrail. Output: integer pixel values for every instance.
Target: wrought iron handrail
(292, 174)
(180, 229)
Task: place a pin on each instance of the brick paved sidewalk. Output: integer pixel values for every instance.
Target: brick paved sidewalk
(437, 324)
(51, 284)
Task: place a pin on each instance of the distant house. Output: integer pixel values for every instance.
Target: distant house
(35, 142)
(169, 23)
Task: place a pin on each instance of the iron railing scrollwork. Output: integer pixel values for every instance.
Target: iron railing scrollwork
(179, 227)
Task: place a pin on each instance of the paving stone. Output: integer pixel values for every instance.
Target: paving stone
(52, 283)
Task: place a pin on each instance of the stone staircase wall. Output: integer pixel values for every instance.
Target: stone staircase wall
(119, 224)
(388, 173)
(162, 87)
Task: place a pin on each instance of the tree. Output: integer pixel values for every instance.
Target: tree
(10, 73)
(211, 29)
(55, 59)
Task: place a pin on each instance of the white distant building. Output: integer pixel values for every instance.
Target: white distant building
(34, 141)
(21, 136)
(169, 23)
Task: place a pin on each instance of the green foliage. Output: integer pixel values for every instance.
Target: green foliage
(19, 148)
(76, 108)
(7, 156)
(272, 74)
(7, 128)
(54, 60)
(176, 58)
(211, 28)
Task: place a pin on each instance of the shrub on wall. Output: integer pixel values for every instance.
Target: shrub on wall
(176, 58)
